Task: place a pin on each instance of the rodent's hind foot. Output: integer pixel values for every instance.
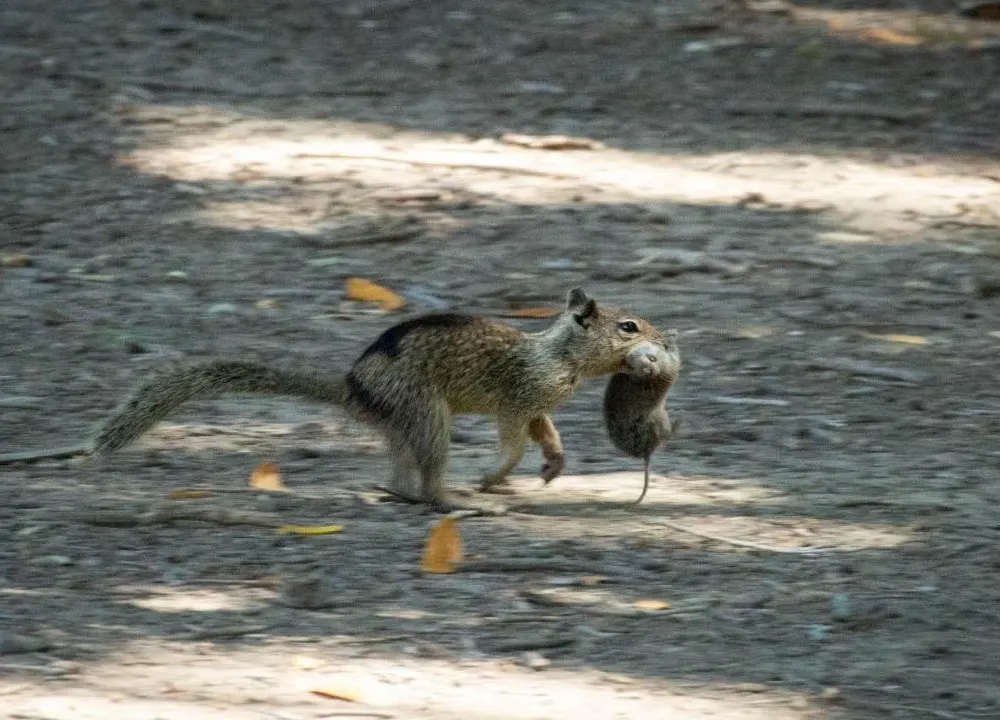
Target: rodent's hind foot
(553, 466)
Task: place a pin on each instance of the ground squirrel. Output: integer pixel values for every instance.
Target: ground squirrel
(635, 412)
(417, 375)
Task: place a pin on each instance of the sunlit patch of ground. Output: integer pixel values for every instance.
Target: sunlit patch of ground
(236, 154)
(172, 681)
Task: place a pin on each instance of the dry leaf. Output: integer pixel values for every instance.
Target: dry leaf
(366, 291)
(335, 693)
(652, 605)
(535, 312)
(267, 477)
(902, 339)
(15, 260)
(753, 332)
(188, 494)
(443, 548)
(591, 580)
(890, 37)
(310, 529)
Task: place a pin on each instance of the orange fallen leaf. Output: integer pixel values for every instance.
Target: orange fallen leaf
(267, 477)
(366, 291)
(535, 312)
(443, 548)
(652, 605)
(335, 693)
(188, 494)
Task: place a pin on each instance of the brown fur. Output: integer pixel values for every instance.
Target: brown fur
(635, 412)
(418, 375)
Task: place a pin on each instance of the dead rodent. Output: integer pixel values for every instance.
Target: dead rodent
(635, 411)
(415, 378)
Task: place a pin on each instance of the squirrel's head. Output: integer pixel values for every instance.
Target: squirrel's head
(609, 339)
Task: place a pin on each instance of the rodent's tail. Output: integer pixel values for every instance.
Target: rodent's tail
(158, 397)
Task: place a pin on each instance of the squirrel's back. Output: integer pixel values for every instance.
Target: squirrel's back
(474, 364)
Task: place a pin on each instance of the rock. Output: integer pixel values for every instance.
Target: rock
(534, 661)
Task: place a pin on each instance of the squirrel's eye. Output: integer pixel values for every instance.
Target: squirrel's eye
(628, 326)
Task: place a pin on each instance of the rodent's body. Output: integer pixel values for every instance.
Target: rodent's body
(418, 375)
(635, 412)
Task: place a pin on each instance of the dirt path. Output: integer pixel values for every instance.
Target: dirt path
(810, 195)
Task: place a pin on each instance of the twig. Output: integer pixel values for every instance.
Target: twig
(855, 110)
(259, 492)
(398, 496)
(223, 632)
(171, 512)
(943, 714)
(769, 402)
(741, 543)
(860, 367)
(540, 643)
(438, 163)
(393, 233)
(221, 31)
(529, 565)
(827, 322)
(374, 640)
(44, 454)
(201, 88)
(818, 262)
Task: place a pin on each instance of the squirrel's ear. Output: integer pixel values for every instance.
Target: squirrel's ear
(582, 307)
(585, 315)
(577, 298)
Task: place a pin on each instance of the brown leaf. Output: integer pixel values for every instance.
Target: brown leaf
(189, 494)
(652, 605)
(366, 291)
(336, 693)
(266, 476)
(890, 37)
(443, 548)
(534, 312)
(15, 260)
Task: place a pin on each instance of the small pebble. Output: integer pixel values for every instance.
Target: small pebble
(535, 661)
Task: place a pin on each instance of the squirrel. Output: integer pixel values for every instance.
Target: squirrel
(635, 412)
(415, 377)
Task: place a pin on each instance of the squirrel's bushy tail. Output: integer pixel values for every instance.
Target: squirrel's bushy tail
(158, 397)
